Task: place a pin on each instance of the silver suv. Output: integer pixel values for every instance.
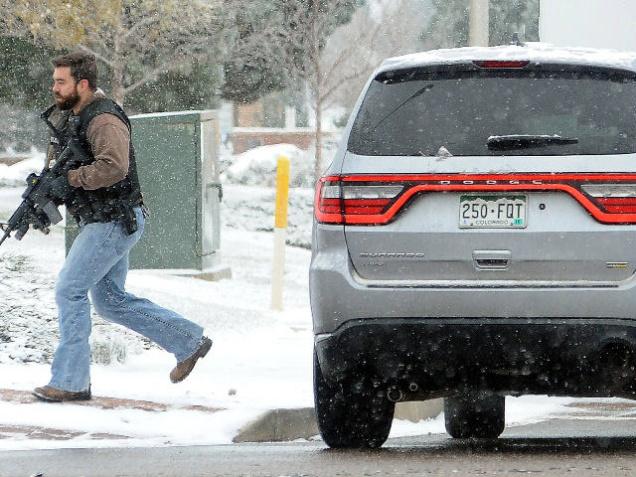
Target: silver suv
(475, 237)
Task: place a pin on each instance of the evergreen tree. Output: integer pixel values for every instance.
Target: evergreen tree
(25, 90)
(254, 64)
(25, 74)
(274, 43)
(194, 87)
(308, 24)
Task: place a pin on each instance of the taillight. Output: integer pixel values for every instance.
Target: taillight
(337, 202)
(613, 198)
(328, 201)
(377, 199)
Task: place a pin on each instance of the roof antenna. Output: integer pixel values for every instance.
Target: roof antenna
(515, 40)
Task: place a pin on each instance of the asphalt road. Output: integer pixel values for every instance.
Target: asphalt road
(576, 447)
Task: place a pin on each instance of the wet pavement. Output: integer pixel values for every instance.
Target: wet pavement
(596, 442)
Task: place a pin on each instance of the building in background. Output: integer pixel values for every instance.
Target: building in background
(271, 120)
(589, 23)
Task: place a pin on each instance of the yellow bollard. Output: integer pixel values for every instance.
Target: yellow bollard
(280, 231)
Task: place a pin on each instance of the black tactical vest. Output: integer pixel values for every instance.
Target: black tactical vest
(114, 203)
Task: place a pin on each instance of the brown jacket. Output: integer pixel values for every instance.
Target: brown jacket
(109, 139)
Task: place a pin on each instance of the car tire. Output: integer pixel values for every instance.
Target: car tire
(475, 416)
(351, 413)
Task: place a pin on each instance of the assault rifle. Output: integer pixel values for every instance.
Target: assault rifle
(39, 209)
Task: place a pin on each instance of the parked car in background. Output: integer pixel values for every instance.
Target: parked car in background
(475, 237)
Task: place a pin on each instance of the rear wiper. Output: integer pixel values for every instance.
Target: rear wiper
(527, 141)
(419, 92)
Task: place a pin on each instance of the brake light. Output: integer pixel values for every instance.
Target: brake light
(618, 206)
(338, 203)
(501, 64)
(613, 198)
(328, 201)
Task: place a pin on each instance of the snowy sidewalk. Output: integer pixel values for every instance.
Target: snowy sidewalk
(260, 360)
(102, 402)
(40, 433)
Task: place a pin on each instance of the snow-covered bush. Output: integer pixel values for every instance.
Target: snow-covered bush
(15, 175)
(258, 166)
(252, 208)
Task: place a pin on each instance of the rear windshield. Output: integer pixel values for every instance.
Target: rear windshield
(420, 112)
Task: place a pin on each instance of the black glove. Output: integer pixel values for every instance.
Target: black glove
(59, 189)
(40, 221)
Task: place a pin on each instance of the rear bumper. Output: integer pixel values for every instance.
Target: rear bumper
(338, 295)
(429, 357)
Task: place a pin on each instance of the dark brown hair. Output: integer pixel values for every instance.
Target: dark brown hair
(82, 65)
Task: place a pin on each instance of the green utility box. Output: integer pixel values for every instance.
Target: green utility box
(177, 162)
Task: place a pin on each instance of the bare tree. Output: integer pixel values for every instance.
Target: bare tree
(357, 48)
(136, 39)
(308, 24)
(336, 72)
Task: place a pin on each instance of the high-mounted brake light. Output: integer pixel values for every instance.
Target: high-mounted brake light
(501, 64)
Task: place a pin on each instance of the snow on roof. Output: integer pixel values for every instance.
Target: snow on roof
(534, 52)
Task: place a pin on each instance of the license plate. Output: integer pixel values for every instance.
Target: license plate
(492, 211)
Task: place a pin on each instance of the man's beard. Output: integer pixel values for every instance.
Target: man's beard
(66, 103)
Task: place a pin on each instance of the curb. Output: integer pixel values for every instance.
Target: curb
(280, 425)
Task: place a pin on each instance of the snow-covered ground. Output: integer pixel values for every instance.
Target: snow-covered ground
(261, 359)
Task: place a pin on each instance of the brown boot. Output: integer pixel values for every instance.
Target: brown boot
(50, 394)
(182, 369)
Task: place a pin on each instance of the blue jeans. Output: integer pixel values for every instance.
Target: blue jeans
(98, 262)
